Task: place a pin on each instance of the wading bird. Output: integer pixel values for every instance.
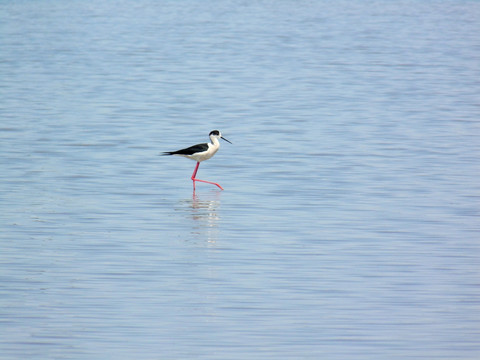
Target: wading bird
(201, 152)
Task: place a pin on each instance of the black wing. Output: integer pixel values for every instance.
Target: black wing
(189, 151)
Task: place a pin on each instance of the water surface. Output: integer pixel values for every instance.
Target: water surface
(349, 224)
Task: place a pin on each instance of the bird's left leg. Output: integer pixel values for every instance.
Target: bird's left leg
(205, 181)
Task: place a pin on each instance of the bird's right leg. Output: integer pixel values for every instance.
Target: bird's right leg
(194, 174)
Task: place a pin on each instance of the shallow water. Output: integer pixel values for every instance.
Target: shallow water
(349, 223)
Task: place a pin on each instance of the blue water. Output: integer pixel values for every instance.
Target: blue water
(349, 226)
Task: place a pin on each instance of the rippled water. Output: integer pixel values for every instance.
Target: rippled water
(349, 224)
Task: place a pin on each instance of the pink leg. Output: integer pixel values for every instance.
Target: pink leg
(205, 181)
(194, 174)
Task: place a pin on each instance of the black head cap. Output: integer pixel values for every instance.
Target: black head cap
(214, 132)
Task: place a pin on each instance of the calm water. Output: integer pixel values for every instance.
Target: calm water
(349, 226)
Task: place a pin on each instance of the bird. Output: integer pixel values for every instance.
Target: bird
(201, 152)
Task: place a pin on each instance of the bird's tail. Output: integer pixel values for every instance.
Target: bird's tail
(166, 153)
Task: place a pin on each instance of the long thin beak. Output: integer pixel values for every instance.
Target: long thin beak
(226, 140)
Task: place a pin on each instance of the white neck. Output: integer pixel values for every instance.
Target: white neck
(215, 141)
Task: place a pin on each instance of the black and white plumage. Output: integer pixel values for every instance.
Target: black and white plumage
(201, 152)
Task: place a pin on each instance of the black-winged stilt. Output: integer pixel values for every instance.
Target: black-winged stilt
(201, 152)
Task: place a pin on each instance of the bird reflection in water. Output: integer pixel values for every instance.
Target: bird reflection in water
(204, 212)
